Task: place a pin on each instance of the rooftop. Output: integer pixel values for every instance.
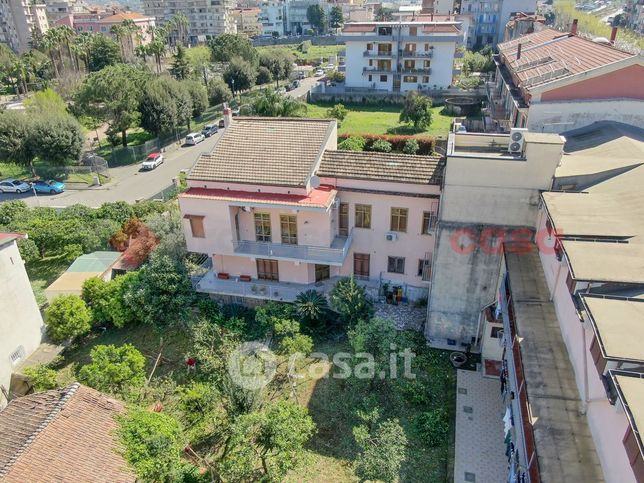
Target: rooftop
(122, 16)
(400, 168)
(631, 393)
(605, 262)
(94, 262)
(61, 435)
(266, 151)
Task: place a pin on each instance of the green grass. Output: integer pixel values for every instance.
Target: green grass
(315, 53)
(12, 170)
(43, 272)
(373, 119)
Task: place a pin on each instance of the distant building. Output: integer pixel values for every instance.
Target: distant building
(523, 24)
(247, 21)
(273, 17)
(21, 324)
(551, 81)
(102, 22)
(402, 55)
(20, 22)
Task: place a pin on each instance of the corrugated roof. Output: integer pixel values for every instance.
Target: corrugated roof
(401, 168)
(94, 262)
(265, 151)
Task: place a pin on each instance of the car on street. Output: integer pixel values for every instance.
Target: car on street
(194, 138)
(209, 129)
(319, 73)
(221, 124)
(301, 75)
(14, 186)
(152, 161)
(51, 186)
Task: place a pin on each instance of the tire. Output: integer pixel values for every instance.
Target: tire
(52, 192)
(19, 191)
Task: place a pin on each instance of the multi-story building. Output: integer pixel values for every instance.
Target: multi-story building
(21, 324)
(297, 22)
(273, 17)
(280, 211)
(207, 18)
(402, 56)
(551, 81)
(523, 24)
(20, 22)
(247, 21)
(102, 22)
(488, 18)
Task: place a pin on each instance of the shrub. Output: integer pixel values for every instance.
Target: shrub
(218, 92)
(263, 76)
(411, 147)
(433, 427)
(350, 301)
(28, 250)
(42, 378)
(381, 146)
(353, 143)
(67, 317)
(338, 112)
(114, 368)
(426, 144)
(382, 451)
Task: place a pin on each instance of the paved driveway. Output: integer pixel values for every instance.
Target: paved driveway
(128, 183)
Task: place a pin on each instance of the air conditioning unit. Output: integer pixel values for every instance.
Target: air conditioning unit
(517, 139)
(391, 236)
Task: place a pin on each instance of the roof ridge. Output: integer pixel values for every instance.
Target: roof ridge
(267, 118)
(68, 391)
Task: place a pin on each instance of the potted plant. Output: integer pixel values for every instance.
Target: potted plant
(385, 288)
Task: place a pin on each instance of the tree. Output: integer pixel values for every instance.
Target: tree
(158, 109)
(417, 110)
(240, 74)
(96, 294)
(152, 444)
(59, 138)
(180, 68)
(41, 377)
(16, 138)
(338, 112)
(198, 96)
(119, 311)
(28, 250)
(45, 102)
(311, 306)
(226, 47)
(336, 17)
(350, 301)
(263, 76)
(316, 16)
(67, 317)
(114, 369)
(218, 92)
(200, 60)
(103, 52)
(433, 427)
(382, 451)
(279, 62)
(384, 14)
(374, 336)
(271, 103)
(113, 95)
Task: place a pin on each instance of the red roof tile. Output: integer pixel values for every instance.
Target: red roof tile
(359, 28)
(321, 197)
(120, 17)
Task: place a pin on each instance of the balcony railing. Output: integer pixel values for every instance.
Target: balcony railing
(376, 70)
(333, 255)
(376, 53)
(423, 54)
(421, 71)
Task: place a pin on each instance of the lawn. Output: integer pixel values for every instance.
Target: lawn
(43, 272)
(315, 53)
(374, 119)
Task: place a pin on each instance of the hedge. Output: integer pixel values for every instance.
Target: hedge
(426, 144)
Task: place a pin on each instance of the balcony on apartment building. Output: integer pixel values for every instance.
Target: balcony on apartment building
(377, 53)
(415, 54)
(415, 70)
(334, 254)
(377, 70)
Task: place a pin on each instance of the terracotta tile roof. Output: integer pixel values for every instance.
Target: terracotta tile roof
(265, 151)
(63, 435)
(120, 17)
(359, 28)
(441, 29)
(401, 168)
(321, 197)
(550, 55)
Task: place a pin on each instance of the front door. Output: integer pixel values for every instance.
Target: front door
(267, 269)
(322, 272)
(396, 83)
(361, 265)
(343, 221)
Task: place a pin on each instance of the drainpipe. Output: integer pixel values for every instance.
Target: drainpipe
(584, 407)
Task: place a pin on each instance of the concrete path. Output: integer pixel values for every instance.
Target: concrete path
(480, 452)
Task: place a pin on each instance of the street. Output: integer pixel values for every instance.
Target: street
(127, 183)
(305, 85)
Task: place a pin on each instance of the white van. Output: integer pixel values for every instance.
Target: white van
(194, 138)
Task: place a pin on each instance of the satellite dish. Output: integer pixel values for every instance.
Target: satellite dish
(315, 182)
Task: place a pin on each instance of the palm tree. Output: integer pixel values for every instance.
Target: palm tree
(180, 23)
(81, 47)
(47, 43)
(129, 31)
(157, 48)
(271, 103)
(65, 36)
(119, 33)
(18, 71)
(311, 305)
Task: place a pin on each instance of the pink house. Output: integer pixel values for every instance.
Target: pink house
(101, 22)
(279, 210)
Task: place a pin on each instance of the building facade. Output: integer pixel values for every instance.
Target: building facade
(273, 17)
(488, 19)
(247, 21)
(402, 56)
(102, 22)
(287, 213)
(21, 324)
(20, 22)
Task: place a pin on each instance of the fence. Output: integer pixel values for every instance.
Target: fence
(365, 95)
(93, 171)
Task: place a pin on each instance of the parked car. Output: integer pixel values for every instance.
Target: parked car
(152, 161)
(209, 129)
(301, 75)
(296, 84)
(194, 138)
(221, 124)
(14, 186)
(319, 73)
(51, 186)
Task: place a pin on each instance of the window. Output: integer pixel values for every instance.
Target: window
(410, 78)
(322, 272)
(425, 79)
(398, 219)
(369, 77)
(361, 265)
(383, 78)
(426, 64)
(410, 64)
(343, 219)
(363, 216)
(369, 46)
(267, 269)
(288, 224)
(384, 49)
(263, 227)
(425, 269)
(196, 225)
(396, 265)
(429, 222)
(413, 30)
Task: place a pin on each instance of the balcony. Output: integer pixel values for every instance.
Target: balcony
(415, 71)
(333, 255)
(416, 54)
(374, 53)
(376, 70)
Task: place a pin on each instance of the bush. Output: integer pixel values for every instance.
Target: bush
(263, 76)
(426, 144)
(381, 146)
(411, 147)
(218, 92)
(433, 427)
(28, 250)
(338, 112)
(67, 317)
(42, 378)
(353, 143)
(113, 369)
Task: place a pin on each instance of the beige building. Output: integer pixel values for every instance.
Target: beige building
(21, 324)
(247, 21)
(20, 22)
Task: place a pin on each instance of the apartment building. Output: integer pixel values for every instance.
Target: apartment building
(279, 211)
(21, 324)
(488, 19)
(404, 55)
(523, 24)
(570, 317)
(551, 81)
(273, 17)
(20, 21)
(247, 21)
(207, 18)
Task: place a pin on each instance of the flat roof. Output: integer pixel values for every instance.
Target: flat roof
(70, 281)
(618, 325)
(94, 262)
(605, 261)
(631, 394)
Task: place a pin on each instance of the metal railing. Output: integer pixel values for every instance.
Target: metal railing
(376, 70)
(426, 54)
(422, 71)
(376, 53)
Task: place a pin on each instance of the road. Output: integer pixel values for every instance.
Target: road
(127, 183)
(305, 85)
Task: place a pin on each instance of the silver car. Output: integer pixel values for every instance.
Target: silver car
(14, 186)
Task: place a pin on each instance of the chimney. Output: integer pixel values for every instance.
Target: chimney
(519, 51)
(613, 35)
(573, 28)
(228, 116)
